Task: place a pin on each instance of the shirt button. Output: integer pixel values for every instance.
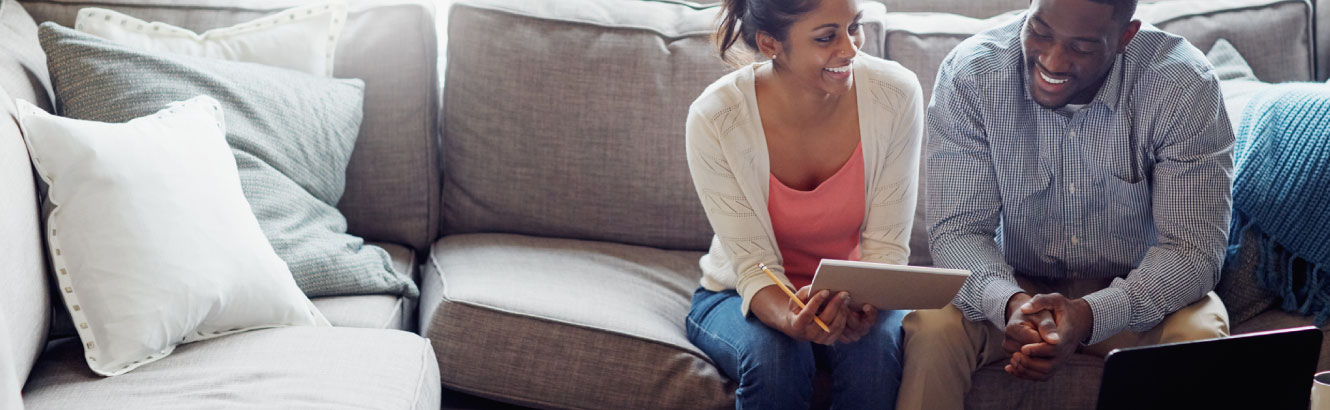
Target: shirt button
(1075, 239)
(1073, 187)
(1073, 133)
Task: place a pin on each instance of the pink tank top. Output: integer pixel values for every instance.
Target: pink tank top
(821, 223)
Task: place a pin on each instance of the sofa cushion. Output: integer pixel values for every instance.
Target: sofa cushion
(25, 305)
(1322, 39)
(392, 188)
(1277, 319)
(1274, 35)
(1076, 386)
(968, 8)
(182, 260)
(22, 64)
(291, 134)
(301, 38)
(376, 311)
(547, 136)
(567, 324)
(285, 368)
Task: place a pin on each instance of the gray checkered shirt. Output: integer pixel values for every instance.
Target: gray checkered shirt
(1133, 186)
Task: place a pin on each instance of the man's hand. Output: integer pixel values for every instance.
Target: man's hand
(1021, 329)
(1061, 323)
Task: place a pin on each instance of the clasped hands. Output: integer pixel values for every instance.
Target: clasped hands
(1042, 331)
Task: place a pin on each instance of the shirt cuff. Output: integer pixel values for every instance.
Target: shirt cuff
(1111, 308)
(996, 296)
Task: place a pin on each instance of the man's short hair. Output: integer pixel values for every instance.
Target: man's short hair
(1123, 10)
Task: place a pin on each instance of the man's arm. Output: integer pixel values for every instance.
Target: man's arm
(964, 205)
(1191, 204)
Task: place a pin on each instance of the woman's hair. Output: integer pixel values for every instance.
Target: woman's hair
(743, 19)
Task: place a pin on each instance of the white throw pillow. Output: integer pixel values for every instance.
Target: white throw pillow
(302, 39)
(153, 242)
(10, 386)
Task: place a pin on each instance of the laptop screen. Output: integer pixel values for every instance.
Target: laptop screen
(1267, 370)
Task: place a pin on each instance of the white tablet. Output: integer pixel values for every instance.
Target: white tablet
(890, 287)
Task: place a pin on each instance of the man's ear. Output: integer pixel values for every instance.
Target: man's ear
(768, 45)
(1128, 33)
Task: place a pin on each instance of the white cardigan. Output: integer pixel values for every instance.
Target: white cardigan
(727, 156)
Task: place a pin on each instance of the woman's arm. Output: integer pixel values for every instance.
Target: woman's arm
(890, 216)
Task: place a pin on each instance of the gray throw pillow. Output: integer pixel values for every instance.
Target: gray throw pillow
(1237, 81)
(1228, 63)
(291, 133)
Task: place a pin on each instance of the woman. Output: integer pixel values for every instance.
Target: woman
(813, 154)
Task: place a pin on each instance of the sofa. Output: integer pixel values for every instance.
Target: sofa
(370, 358)
(570, 229)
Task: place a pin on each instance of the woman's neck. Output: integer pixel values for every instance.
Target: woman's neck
(795, 103)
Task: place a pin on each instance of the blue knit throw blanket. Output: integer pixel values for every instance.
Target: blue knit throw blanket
(1282, 188)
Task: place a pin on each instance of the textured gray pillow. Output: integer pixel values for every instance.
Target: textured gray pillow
(292, 135)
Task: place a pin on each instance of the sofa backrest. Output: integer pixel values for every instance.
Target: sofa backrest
(392, 180)
(566, 118)
(968, 8)
(1322, 29)
(25, 306)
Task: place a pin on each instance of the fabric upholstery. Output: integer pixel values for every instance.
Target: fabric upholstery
(25, 305)
(291, 134)
(968, 8)
(1277, 319)
(1239, 287)
(567, 323)
(1076, 386)
(375, 311)
(285, 368)
(1274, 35)
(392, 188)
(547, 136)
(22, 64)
(1322, 40)
(183, 257)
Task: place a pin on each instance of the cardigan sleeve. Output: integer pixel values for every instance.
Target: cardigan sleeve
(733, 215)
(892, 197)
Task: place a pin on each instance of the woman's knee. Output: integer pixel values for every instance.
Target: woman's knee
(776, 357)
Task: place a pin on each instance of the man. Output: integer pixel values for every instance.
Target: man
(1080, 167)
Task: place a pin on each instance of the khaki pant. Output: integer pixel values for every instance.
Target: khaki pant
(942, 349)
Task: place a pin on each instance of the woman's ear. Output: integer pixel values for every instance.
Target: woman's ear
(767, 45)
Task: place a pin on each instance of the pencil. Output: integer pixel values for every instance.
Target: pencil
(791, 295)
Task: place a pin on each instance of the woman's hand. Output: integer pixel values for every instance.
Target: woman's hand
(859, 323)
(775, 309)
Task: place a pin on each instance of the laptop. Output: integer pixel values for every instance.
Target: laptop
(1267, 370)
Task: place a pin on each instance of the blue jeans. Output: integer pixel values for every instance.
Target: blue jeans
(775, 371)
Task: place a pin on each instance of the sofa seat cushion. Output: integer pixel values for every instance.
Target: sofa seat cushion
(1277, 319)
(282, 368)
(567, 323)
(1076, 385)
(376, 311)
